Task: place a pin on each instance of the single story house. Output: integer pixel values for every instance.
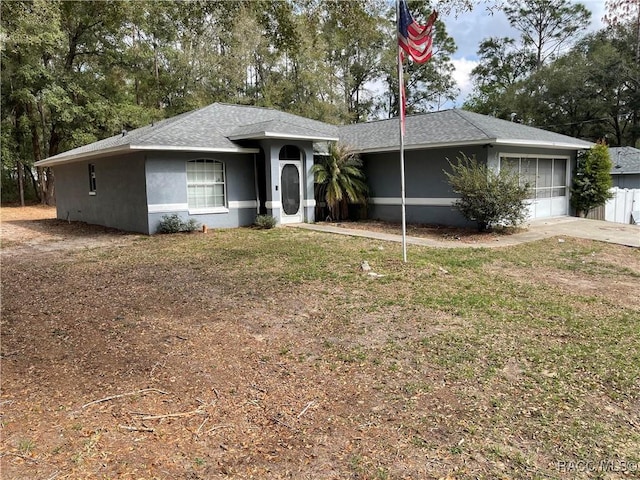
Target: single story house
(544, 159)
(625, 170)
(223, 164)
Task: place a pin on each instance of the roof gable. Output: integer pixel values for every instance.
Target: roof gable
(279, 129)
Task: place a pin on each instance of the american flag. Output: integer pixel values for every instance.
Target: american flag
(415, 39)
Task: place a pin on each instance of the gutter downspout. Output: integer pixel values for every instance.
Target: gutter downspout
(255, 182)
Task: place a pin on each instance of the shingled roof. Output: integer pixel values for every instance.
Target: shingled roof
(223, 128)
(214, 128)
(449, 128)
(625, 160)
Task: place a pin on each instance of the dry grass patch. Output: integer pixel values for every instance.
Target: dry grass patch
(269, 354)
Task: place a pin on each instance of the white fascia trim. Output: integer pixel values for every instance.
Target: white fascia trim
(540, 143)
(421, 202)
(243, 204)
(272, 205)
(167, 207)
(172, 148)
(76, 157)
(282, 136)
(309, 203)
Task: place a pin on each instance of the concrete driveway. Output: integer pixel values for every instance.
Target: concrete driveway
(618, 233)
(610, 232)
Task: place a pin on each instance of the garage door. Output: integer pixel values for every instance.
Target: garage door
(548, 179)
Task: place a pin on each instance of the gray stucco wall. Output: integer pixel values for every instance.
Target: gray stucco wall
(120, 197)
(629, 180)
(166, 185)
(427, 189)
(134, 192)
(424, 180)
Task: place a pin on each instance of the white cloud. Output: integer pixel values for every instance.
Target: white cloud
(462, 76)
(597, 8)
(468, 29)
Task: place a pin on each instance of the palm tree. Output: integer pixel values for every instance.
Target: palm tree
(340, 180)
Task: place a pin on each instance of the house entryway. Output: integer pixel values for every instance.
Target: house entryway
(291, 185)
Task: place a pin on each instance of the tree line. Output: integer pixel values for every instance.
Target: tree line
(77, 71)
(74, 72)
(555, 77)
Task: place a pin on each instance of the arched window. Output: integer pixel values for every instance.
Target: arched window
(289, 152)
(206, 184)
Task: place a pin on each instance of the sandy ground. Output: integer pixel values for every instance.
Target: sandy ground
(35, 229)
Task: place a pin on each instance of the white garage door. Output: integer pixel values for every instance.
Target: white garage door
(548, 179)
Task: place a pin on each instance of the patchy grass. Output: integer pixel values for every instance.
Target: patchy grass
(270, 354)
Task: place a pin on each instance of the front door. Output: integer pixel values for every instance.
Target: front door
(291, 191)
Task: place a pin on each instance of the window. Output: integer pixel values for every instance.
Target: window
(545, 172)
(528, 171)
(206, 185)
(510, 164)
(289, 152)
(559, 177)
(92, 179)
(547, 177)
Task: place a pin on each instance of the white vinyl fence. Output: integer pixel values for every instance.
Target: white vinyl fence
(624, 207)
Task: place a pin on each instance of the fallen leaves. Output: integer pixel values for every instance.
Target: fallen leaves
(271, 354)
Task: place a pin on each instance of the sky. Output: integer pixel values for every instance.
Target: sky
(470, 28)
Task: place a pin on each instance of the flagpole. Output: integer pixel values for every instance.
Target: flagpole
(416, 40)
(400, 122)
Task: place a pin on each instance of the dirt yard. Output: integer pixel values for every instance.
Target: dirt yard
(249, 354)
(35, 229)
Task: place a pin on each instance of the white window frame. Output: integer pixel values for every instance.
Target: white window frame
(210, 208)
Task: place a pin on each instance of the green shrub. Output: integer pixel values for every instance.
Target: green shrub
(265, 222)
(174, 224)
(592, 179)
(487, 197)
(191, 225)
